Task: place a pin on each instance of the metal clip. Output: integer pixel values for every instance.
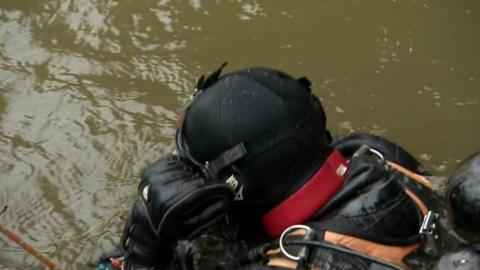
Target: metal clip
(303, 253)
(377, 153)
(364, 149)
(429, 231)
(429, 223)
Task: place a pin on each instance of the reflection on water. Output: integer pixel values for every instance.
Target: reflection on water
(90, 92)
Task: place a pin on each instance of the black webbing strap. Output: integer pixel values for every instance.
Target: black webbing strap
(225, 159)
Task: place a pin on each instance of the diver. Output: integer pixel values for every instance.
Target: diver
(253, 152)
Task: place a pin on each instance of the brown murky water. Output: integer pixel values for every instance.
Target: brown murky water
(90, 92)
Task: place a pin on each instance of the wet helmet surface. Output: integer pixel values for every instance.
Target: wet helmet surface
(260, 126)
(463, 196)
(465, 259)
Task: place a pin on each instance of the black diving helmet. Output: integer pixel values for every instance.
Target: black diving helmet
(463, 198)
(259, 130)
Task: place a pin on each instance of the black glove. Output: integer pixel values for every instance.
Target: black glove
(175, 203)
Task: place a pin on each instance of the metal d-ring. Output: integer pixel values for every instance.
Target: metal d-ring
(376, 152)
(286, 232)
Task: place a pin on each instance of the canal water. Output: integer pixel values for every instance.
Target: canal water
(90, 92)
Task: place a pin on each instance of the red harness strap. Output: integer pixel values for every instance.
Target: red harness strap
(311, 197)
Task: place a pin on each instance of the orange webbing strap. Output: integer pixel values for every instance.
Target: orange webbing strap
(415, 176)
(282, 262)
(423, 208)
(392, 254)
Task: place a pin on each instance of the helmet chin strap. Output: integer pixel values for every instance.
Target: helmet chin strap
(308, 199)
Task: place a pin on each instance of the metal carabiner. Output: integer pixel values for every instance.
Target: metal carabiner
(307, 229)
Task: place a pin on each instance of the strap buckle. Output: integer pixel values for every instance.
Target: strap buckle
(429, 225)
(429, 232)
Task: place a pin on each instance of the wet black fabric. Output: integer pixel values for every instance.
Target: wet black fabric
(384, 214)
(175, 203)
(363, 171)
(348, 144)
(179, 198)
